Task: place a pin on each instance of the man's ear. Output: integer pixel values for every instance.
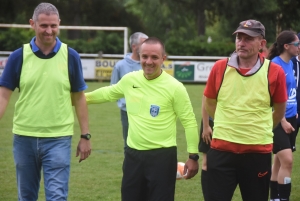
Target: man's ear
(263, 43)
(31, 22)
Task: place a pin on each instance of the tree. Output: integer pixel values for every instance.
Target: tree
(288, 15)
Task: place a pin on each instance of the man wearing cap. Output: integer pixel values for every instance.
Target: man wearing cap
(246, 96)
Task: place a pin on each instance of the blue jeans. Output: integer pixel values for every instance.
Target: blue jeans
(53, 155)
(124, 120)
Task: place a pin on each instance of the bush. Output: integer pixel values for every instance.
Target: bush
(112, 43)
(198, 47)
(13, 38)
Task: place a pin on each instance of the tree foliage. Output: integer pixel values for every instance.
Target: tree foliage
(184, 25)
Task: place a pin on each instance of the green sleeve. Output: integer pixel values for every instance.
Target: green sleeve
(184, 111)
(192, 139)
(105, 94)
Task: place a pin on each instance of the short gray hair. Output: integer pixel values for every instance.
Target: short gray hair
(135, 38)
(44, 8)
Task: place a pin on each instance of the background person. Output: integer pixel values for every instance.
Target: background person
(240, 93)
(130, 63)
(154, 101)
(296, 67)
(46, 72)
(286, 46)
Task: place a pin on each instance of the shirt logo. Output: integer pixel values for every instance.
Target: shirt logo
(154, 110)
(133, 86)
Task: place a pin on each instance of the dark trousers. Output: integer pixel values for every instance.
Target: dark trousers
(226, 170)
(124, 120)
(149, 175)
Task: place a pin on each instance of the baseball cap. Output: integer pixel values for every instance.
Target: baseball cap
(298, 35)
(252, 28)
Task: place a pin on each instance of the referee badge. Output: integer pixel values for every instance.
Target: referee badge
(154, 110)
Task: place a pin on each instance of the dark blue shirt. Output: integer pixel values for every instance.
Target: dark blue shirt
(296, 66)
(10, 77)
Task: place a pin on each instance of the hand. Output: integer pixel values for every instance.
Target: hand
(191, 168)
(206, 134)
(287, 127)
(83, 149)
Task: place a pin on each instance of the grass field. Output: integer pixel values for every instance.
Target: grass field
(99, 177)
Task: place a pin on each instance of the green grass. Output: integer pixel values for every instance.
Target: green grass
(99, 177)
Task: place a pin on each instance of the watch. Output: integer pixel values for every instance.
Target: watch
(86, 136)
(194, 157)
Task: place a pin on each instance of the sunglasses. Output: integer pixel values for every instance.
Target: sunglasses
(296, 44)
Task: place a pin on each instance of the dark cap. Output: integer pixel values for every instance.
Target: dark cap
(252, 28)
(298, 35)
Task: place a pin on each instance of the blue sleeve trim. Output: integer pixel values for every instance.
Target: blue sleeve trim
(75, 71)
(10, 77)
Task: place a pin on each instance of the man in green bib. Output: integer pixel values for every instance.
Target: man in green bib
(246, 97)
(49, 76)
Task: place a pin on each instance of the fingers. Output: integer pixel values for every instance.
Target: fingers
(77, 152)
(191, 168)
(206, 138)
(83, 149)
(84, 155)
(289, 130)
(191, 173)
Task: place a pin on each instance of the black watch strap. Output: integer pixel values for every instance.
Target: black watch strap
(86, 136)
(194, 157)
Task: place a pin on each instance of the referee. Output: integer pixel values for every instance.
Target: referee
(154, 101)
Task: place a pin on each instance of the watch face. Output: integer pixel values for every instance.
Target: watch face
(86, 136)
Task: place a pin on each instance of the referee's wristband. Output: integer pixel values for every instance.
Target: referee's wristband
(194, 157)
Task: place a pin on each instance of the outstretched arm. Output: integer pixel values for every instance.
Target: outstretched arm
(84, 146)
(5, 94)
(104, 94)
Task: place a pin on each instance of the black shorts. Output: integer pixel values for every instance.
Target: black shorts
(203, 147)
(149, 174)
(282, 140)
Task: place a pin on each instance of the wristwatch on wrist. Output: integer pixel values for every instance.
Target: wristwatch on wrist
(194, 157)
(86, 136)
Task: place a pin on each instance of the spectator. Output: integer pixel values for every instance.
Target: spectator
(130, 63)
(286, 46)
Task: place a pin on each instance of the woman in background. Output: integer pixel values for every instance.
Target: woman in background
(284, 140)
(296, 65)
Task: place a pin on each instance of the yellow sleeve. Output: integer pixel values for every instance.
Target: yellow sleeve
(184, 110)
(192, 139)
(104, 94)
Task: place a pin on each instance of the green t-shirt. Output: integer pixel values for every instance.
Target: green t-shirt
(153, 107)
